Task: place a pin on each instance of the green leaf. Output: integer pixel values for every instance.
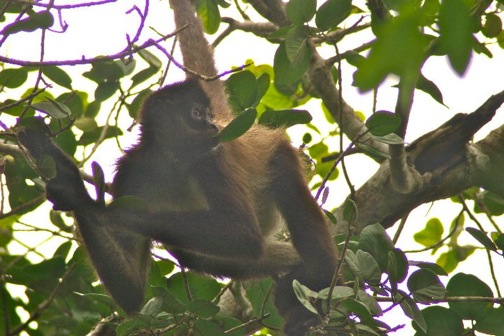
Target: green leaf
(462, 284)
(65, 140)
(135, 106)
(201, 287)
(94, 107)
(369, 269)
(492, 323)
(370, 302)
(207, 328)
(398, 266)
(332, 12)
(287, 72)
(375, 240)
(143, 75)
(150, 58)
(441, 321)
(108, 71)
(493, 203)
(430, 88)
(338, 293)
(350, 212)
(431, 234)
(263, 84)
(435, 268)
(301, 11)
(354, 58)
(75, 100)
(58, 76)
(105, 90)
(482, 238)
(400, 49)
(57, 220)
(40, 20)
(410, 309)
(363, 266)
(296, 44)
(203, 308)
(53, 108)
(129, 202)
(153, 306)
(493, 25)
(13, 78)
(284, 118)
(373, 152)
(448, 260)
(359, 309)
(389, 139)
(426, 286)
(40, 277)
(242, 88)
(304, 295)
(382, 123)
(93, 136)
(239, 125)
(208, 12)
(86, 124)
(499, 241)
(430, 9)
(170, 302)
(456, 28)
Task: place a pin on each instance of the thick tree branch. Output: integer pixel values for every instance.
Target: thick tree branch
(489, 155)
(448, 162)
(320, 75)
(404, 177)
(261, 29)
(323, 82)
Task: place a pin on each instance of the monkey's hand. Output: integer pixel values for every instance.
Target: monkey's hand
(64, 185)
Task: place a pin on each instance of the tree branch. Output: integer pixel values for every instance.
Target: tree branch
(448, 162)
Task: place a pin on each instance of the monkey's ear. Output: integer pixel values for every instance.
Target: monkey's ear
(64, 185)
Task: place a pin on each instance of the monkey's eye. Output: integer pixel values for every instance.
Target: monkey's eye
(197, 112)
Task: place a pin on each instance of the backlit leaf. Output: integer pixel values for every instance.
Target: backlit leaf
(301, 11)
(462, 284)
(239, 125)
(332, 12)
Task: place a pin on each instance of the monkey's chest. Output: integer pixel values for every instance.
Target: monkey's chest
(175, 193)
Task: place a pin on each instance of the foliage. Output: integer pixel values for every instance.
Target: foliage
(89, 103)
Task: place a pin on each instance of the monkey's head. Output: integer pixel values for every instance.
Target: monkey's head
(177, 118)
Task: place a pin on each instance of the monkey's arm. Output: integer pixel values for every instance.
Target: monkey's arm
(310, 235)
(226, 225)
(121, 258)
(305, 220)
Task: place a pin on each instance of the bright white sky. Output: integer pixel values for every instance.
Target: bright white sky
(101, 31)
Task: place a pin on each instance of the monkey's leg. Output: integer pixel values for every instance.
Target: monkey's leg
(279, 258)
(310, 236)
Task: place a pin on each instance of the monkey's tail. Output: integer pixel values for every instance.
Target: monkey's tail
(198, 55)
(196, 52)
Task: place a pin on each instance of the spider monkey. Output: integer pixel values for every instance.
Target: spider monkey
(216, 206)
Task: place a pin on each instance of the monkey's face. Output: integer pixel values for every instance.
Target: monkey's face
(198, 129)
(177, 119)
(198, 118)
